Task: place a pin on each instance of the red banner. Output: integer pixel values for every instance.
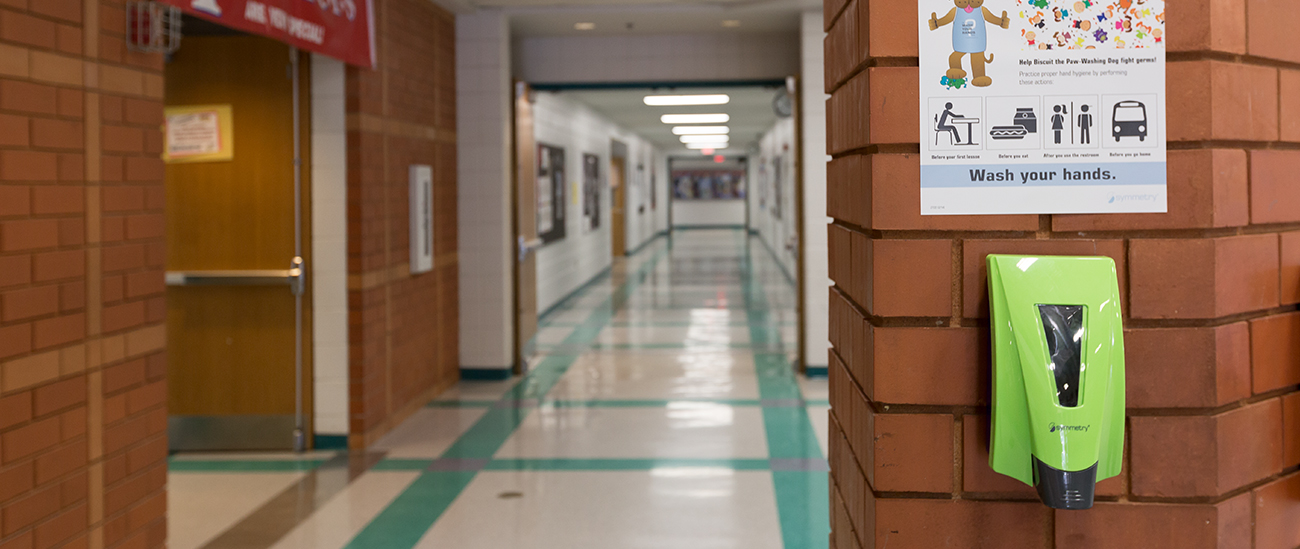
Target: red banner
(342, 29)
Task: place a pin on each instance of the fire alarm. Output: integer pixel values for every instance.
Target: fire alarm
(153, 27)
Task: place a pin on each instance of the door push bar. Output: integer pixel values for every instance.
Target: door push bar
(527, 246)
(295, 277)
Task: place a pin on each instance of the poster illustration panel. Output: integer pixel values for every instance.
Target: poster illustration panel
(550, 193)
(1042, 106)
(591, 185)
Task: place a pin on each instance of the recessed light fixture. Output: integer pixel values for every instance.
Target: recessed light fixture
(695, 118)
(699, 130)
(706, 145)
(704, 139)
(677, 100)
(731, 23)
(584, 26)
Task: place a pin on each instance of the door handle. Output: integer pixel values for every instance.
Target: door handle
(527, 246)
(295, 277)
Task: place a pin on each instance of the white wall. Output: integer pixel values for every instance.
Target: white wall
(813, 115)
(777, 233)
(485, 234)
(568, 263)
(696, 213)
(329, 246)
(645, 219)
(660, 57)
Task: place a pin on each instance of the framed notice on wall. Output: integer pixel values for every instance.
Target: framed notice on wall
(421, 218)
(708, 184)
(1042, 106)
(202, 133)
(550, 193)
(591, 185)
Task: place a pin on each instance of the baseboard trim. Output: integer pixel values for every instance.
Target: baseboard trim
(708, 227)
(485, 374)
(329, 442)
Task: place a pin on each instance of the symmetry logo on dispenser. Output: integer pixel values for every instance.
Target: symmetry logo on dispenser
(342, 29)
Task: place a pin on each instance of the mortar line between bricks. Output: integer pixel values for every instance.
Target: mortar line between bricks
(1203, 144)
(1215, 500)
(1196, 412)
(1141, 234)
(828, 25)
(1233, 58)
(874, 62)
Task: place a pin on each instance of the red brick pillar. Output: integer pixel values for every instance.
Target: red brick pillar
(1210, 307)
(83, 413)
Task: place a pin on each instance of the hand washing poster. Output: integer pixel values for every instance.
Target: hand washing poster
(1042, 106)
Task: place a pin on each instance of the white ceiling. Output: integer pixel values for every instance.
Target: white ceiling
(750, 109)
(674, 18)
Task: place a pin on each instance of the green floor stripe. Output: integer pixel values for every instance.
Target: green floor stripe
(399, 464)
(801, 497)
(543, 464)
(803, 503)
(407, 518)
(468, 403)
(794, 433)
(782, 394)
(648, 403)
(703, 345)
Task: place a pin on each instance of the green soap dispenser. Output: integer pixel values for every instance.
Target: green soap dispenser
(1058, 374)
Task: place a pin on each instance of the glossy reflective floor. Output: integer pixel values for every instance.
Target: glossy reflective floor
(660, 412)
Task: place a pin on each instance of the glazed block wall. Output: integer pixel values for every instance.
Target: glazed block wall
(1210, 293)
(83, 414)
(567, 264)
(776, 232)
(402, 327)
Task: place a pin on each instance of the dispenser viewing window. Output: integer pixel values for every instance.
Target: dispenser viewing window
(1058, 374)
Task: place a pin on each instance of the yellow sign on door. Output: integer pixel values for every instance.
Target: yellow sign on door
(202, 133)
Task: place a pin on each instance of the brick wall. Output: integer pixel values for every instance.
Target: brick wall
(1210, 302)
(82, 390)
(402, 328)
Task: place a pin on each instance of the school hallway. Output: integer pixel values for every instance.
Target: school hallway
(660, 411)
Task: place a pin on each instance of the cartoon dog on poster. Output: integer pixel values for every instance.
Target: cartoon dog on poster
(969, 37)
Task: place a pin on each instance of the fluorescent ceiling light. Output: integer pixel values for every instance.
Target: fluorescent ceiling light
(698, 130)
(694, 119)
(676, 100)
(722, 145)
(584, 26)
(705, 139)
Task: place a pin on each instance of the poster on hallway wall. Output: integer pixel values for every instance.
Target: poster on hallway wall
(778, 181)
(591, 191)
(708, 184)
(1042, 106)
(654, 187)
(550, 193)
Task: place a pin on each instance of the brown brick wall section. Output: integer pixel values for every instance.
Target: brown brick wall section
(403, 328)
(82, 375)
(1210, 293)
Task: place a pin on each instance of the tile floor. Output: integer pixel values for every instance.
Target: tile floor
(660, 413)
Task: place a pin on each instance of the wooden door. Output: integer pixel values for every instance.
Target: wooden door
(232, 337)
(525, 224)
(617, 183)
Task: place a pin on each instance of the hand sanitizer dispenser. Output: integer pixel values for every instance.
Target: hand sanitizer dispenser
(1058, 374)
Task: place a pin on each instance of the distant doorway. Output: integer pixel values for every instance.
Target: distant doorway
(617, 218)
